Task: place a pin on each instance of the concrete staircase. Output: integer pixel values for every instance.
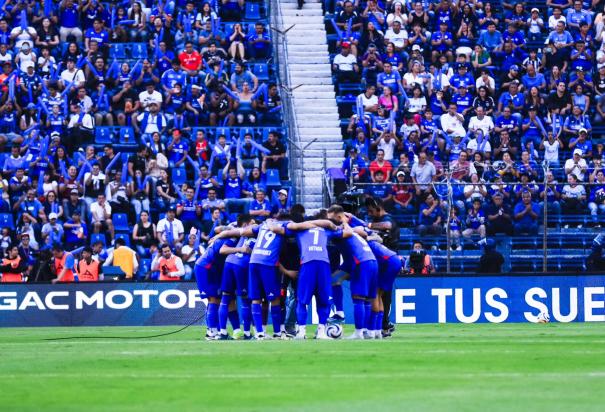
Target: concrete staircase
(308, 63)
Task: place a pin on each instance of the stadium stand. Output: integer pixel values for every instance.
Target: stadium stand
(458, 115)
(113, 114)
(153, 120)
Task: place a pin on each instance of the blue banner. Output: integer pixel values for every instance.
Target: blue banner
(100, 304)
(497, 299)
(458, 299)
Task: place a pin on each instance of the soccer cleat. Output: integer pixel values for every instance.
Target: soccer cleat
(238, 335)
(300, 335)
(220, 336)
(322, 335)
(336, 318)
(248, 337)
(386, 334)
(377, 334)
(355, 336)
(368, 334)
(260, 336)
(390, 327)
(210, 336)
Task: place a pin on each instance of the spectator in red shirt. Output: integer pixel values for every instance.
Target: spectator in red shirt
(191, 60)
(403, 193)
(380, 164)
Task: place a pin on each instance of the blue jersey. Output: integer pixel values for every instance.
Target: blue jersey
(267, 247)
(355, 248)
(241, 259)
(313, 243)
(381, 252)
(212, 257)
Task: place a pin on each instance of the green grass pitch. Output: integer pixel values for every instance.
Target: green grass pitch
(481, 367)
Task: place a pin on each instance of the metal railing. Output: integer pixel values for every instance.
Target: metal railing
(280, 52)
(444, 190)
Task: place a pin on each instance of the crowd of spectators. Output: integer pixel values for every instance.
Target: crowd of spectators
(119, 120)
(502, 98)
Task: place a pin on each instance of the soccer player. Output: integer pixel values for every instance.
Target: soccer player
(389, 265)
(315, 273)
(358, 255)
(235, 282)
(208, 270)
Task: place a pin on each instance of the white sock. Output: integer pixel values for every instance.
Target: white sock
(236, 331)
(321, 328)
(223, 331)
(340, 313)
(282, 328)
(359, 332)
(302, 329)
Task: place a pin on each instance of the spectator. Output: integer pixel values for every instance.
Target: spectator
(144, 234)
(76, 231)
(576, 165)
(170, 230)
(345, 65)
(430, 220)
(101, 216)
(573, 196)
(526, 215)
(499, 216)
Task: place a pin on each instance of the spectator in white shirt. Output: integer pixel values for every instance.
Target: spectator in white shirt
(150, 95)
(72, 75)
(152, 121)
(100, 212)
(178, 231)
(557, 16)
(481, 122)
(397, 36)
(345, 65)
(387, 142)
(80, 129)
(576, 165)
(573, 197)
(452, 122)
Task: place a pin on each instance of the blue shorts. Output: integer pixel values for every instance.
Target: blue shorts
(264, 281)
(388, 271)
(208, 281)
(235, 280)
(364, 278)
(314, 279)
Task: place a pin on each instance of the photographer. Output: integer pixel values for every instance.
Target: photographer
(170, 266)
(419, 262)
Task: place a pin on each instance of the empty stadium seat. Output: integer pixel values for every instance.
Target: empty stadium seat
(120, 222)
(6, 220)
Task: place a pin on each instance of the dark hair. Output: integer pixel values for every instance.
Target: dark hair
(336, 209)
(243, 219)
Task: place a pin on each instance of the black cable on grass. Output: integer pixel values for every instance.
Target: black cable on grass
(130, 337)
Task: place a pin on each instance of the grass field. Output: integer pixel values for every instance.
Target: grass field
(424, 367)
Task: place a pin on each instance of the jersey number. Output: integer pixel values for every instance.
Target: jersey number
(267, 236)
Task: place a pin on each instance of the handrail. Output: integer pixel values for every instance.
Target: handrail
(284, 81)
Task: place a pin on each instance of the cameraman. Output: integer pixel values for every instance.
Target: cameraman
(419, 262)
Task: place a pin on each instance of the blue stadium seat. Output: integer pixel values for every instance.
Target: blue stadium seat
(117, 50)
(6, 220)
(273, 178)
(127, 136)
(103, 135)
(252, 11)
(144, 267)
(138, 50)
(120, 222)
(244, 130)
(179, 175)
(125, 237)
(222, 131)
(261, 70)
(96, 237)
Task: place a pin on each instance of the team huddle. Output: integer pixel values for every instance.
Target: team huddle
(254, 262)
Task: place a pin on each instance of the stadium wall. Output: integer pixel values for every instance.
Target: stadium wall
(443, 299)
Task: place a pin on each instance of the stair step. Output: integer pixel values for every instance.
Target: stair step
(314, 11)
(312, 80)
(314, 95)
